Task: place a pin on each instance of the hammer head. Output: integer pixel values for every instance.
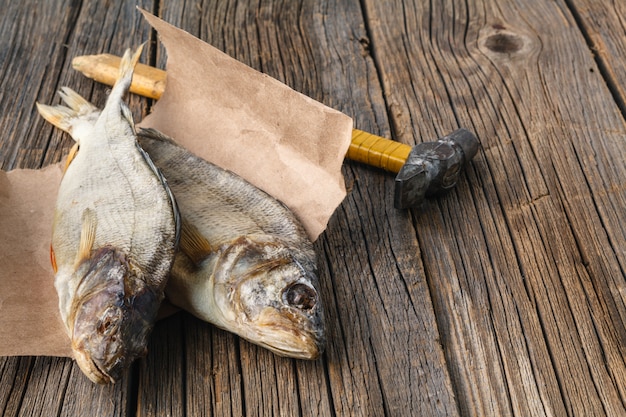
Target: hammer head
(433, 167)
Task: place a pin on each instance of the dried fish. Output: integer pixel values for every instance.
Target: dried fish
(115, 233)
(245, 262)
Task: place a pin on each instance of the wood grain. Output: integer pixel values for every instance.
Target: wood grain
(537, 277)
(503, 297)
(603, 28)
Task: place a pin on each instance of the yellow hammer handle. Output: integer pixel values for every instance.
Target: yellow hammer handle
(150, 82)
(377, 151)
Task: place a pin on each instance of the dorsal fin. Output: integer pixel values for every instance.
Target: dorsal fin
(87, 235)
(167, 188)
(193, 244)
(151, 133)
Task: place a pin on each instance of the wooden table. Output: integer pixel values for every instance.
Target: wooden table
(504, 297)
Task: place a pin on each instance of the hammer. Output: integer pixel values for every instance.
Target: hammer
(428, 168)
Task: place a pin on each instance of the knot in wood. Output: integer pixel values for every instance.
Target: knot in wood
(504, 43)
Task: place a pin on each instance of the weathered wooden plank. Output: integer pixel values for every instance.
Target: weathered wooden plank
(213, 369)
(268, 383)
(603, 25)
(14, 374)
(580, 156)
(55, 386)
(527, 282)
(382, 300)
(162, 385)
(81, 397)
(37, 398)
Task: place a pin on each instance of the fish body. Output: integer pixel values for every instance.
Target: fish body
(245, 262)
(115, 233)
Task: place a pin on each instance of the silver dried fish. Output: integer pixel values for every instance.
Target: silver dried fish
(115, 232)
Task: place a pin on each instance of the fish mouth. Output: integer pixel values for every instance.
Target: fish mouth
(285, 334)
(309, 351)
(95, 370)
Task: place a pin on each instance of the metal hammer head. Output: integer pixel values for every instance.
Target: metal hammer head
(433, 167)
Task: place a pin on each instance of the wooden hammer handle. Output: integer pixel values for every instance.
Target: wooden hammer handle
(147, 81)
(150, 82)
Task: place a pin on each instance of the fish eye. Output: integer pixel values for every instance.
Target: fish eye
(300, 296)
(109, 320)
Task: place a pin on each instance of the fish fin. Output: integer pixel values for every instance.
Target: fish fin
(53, 259)
(59, 116)
(87, 235)
(193, 244)
(168, 190)
(151, 133)
(129, 60)
(128, 115)
(71, 156)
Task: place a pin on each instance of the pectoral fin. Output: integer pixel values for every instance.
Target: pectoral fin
(71, 156)
(87, 235)
(53, 259)
(193, 244)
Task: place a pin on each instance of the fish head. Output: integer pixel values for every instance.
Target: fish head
(268, 293)
(111, 316)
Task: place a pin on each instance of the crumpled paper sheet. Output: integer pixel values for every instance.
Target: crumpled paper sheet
(292, 145)
(280, 140)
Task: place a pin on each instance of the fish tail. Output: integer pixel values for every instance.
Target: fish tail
(66, 117)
